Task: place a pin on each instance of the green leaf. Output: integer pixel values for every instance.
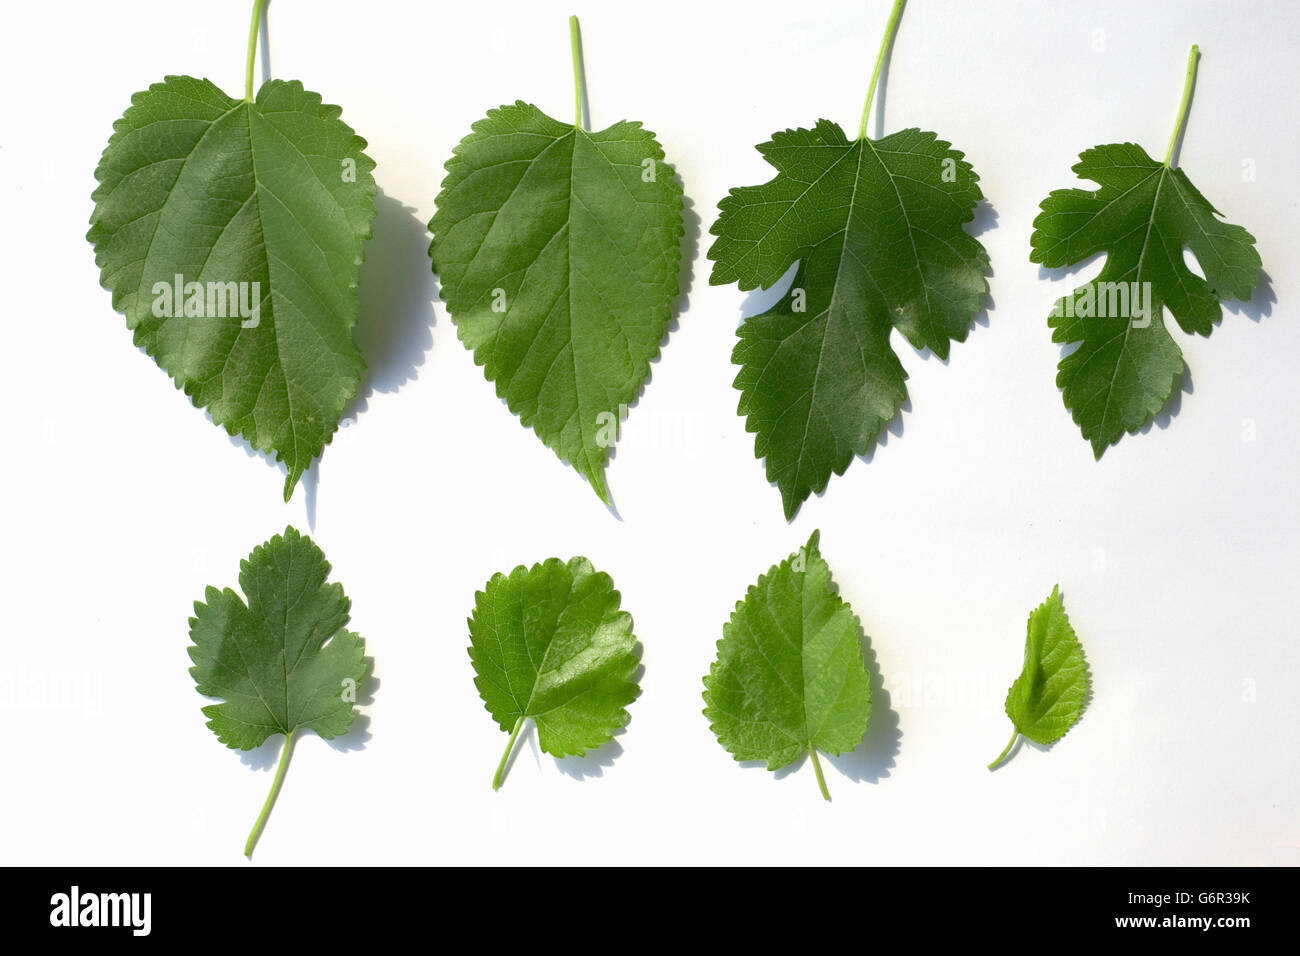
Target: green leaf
(1143, 215)
(1052, 689)
(876, 227)
(268, 200)
(282, 662)
(789, 678)
(549, 643)
(877, 232)
(558, 251)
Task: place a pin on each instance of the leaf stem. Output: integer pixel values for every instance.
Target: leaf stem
(890, 29)
(1015, 735)
(817, 769)
(510, 745)
(252, 49)
(270, 797)
(575, 44)
(1192, 56)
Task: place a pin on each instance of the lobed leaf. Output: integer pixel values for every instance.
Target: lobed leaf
(1142, 216)
(877, 229)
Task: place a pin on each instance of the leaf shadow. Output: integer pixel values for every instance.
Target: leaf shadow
(310, 482)
(1163, 419)
(395, 315)
(894, 428)
(594, 762)
(358, 734)
(1074, 268)
(264, 757)
(242, 443)
(1260, 303)
(264, 42)
(396, 293)
(872, 759)
(1021, 740)
(760, 300)
(984, 219)
(579, 767)
(395, 321)
(690, 245)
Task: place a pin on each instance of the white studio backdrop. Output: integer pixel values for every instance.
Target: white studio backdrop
(1177, 553)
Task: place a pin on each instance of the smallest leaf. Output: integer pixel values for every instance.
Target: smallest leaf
(1053, 687)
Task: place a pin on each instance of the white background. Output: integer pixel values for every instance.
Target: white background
(1177, 553)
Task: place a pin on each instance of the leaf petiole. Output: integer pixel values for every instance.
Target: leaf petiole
(1192, 56)
(498, 777)
(252, 49)
(1015, 735)
(817, 769)
(891, 28)
(575, 45)
(270, 797)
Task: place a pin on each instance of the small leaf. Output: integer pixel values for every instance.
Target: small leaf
(1143, 215)
(558, 251)
(550, 643)
(282, 662)
(789, 678)
(230, 233)
(1049, 695)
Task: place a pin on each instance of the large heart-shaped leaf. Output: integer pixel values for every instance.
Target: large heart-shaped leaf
(230, 233)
